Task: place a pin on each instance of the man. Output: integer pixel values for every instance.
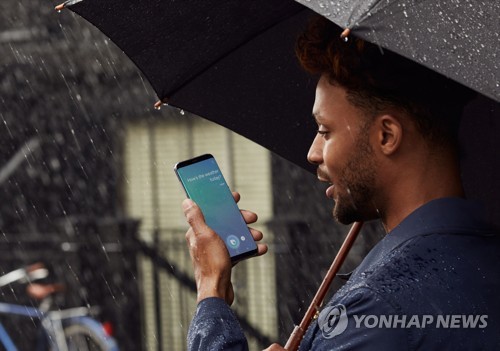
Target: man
(386, 144)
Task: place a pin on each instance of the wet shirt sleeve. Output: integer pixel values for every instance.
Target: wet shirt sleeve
(215, 327)
(343, 325)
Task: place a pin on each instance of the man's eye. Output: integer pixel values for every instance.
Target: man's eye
(322, 132)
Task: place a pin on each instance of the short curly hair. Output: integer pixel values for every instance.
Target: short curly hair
(376, 79)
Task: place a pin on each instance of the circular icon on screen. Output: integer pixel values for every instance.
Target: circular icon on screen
(233, 241)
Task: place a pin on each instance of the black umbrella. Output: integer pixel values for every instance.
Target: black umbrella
(232, 62)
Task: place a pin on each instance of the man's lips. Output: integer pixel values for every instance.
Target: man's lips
(329, 191)
(323, 177)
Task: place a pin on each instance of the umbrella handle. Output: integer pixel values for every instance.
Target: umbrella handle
(298, 332)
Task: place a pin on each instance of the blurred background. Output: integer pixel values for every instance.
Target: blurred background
(87, 187)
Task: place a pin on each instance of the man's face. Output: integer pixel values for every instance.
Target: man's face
(343, 154)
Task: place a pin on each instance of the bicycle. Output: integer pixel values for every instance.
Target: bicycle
(70, 329)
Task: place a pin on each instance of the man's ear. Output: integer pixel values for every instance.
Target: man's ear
(389, 133)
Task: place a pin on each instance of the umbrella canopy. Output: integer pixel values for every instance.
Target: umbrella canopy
(233, 62)
(459, 39)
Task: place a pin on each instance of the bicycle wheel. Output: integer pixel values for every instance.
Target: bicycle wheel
(80, 337)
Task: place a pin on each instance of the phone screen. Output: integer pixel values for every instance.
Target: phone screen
(204, 184)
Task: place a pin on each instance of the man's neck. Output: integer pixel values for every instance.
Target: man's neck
(418, 183)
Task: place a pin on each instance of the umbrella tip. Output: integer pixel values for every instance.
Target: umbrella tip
(345, 34)
(158, 104)
(65, 4)
(59, 7)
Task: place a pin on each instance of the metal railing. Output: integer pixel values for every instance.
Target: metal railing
(157, 254)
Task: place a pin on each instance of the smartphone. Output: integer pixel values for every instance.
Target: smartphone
(204, 183)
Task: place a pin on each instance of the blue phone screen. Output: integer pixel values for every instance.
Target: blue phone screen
(205, 185)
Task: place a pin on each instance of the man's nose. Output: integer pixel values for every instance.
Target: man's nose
(315, 154)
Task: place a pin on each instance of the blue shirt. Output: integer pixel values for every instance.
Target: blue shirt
(430, 284)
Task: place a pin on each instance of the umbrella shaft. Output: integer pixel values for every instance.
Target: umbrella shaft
(299, 330)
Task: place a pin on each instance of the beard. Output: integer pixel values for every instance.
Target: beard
(356, 188)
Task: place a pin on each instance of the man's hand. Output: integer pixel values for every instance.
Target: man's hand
(275, 347)
(209, 255)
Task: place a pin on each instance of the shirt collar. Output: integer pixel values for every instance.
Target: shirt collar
(440, 216)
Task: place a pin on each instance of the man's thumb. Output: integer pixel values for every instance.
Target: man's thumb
(194, 216)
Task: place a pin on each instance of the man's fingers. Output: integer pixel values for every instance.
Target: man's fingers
(236, 196)
(196, 221)
(249, 217)
(256, 234)
(275, 347)
(194, 216)
(261, 249)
